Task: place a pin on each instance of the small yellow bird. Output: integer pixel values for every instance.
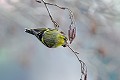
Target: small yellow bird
(51, 38)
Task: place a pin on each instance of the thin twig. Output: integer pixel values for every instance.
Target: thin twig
(83, 65)
(72, 50)
(71, 13)
(55, 23)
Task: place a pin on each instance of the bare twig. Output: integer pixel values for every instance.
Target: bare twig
(72, 50)
(56, 25)
(83, 65)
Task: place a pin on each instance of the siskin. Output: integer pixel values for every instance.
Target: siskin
(51, 38)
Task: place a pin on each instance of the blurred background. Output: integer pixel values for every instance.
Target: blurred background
(24, 57)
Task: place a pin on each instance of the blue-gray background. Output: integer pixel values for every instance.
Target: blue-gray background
(23, 57)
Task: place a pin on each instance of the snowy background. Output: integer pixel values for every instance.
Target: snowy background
(23, 57)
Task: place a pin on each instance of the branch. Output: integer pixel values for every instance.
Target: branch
(83, 65)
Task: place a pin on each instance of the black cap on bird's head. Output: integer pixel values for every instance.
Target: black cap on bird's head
(38, 32)
(29, 31)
